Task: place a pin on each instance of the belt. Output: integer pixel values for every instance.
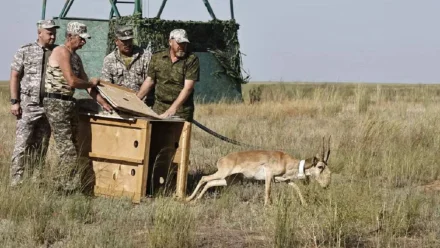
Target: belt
(59, 96)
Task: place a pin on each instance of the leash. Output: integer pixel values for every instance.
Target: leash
(229, 140)
(219, 136)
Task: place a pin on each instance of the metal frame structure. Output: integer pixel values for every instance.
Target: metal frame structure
(114, 12)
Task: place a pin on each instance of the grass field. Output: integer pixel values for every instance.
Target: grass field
(385, 140)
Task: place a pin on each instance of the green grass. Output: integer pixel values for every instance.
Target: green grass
(385, 140)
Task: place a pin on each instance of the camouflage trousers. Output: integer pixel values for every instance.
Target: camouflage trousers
(185, 112)
(31, 142)
(63, 119)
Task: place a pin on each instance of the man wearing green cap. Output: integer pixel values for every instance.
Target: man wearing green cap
(173, 72)
(127, 65)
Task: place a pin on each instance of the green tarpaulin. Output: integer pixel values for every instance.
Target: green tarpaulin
(215, 42)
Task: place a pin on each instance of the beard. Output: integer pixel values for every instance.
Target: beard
(127, 50)
(180, 54)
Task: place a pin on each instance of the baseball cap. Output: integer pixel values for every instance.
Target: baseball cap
(179, 35)
(124, 33)
(47, 24)
(78, 29)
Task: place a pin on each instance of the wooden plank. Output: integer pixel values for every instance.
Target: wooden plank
(119, 123)
(101, 82)
(117, 141)
(106, 115)
(113, 178)
(147, 141)
(178, 154)
(124, 100)
(182, 172)
(109, 157)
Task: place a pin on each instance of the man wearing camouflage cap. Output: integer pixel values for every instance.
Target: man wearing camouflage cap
(173, 72)
(127, 65)
(27, 88)
(64, 74)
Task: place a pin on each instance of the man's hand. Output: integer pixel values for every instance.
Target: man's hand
(138, 96)
(107, 107)
(104, 104)
(183, 95)
(170, 112)
(16, 109)
(94, 82)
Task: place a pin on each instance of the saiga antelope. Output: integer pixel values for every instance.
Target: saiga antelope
(268, 165)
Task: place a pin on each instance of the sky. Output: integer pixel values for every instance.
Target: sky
(387, 41)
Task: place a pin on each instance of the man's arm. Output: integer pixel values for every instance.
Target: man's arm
(17, 67)
(147, 85)
(106, 70)
(93, 92)
(62, 56)
(82, 73)
(14, 84)
(183, 96)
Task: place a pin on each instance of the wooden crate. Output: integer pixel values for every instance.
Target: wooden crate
(135, 157)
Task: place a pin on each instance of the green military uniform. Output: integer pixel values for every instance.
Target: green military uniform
(170, 78)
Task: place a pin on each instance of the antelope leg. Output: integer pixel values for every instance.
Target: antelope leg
(220, 182)
(301, 198)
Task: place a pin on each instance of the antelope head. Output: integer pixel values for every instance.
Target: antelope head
(318, 168)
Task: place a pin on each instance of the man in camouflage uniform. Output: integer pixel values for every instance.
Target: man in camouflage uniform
(64, 74)
(27, 88)
(127, 65)
(174, 72)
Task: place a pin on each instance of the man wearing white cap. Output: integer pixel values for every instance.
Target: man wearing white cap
(173, 72)
(27, 88)
(64, 74)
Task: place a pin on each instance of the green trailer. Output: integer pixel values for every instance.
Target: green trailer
(215, 42)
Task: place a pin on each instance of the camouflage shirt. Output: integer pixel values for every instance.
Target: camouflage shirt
(55, 81)
(114, 68)
(29, 62)
(170, 77)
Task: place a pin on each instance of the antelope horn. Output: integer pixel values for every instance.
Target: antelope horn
(328, 150)
(323, 149)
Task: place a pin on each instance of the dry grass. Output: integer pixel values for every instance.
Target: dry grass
(384, 144)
